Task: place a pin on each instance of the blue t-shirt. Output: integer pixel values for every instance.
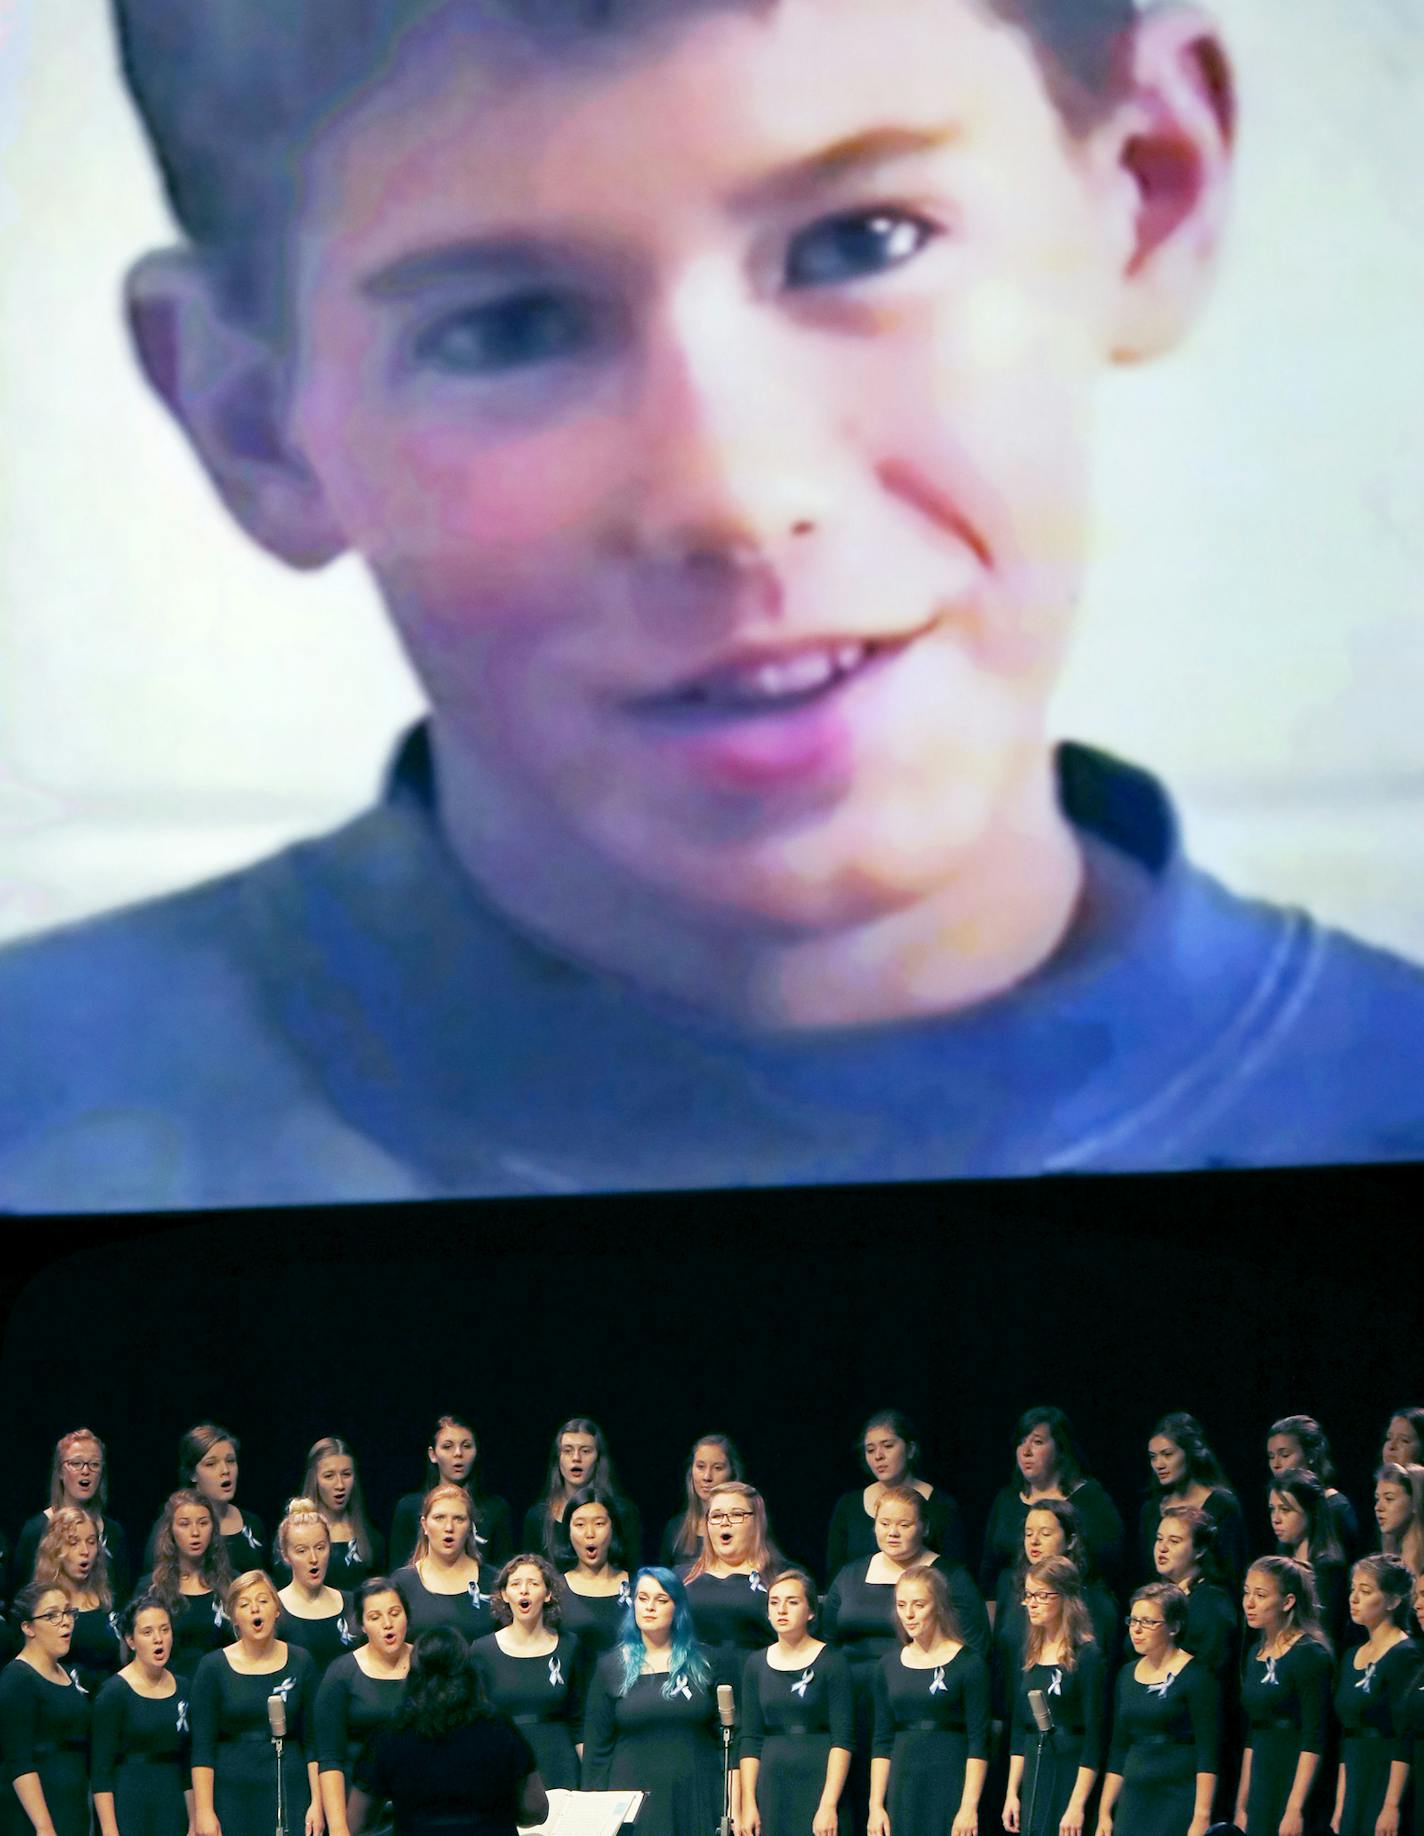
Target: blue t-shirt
(349, 1020)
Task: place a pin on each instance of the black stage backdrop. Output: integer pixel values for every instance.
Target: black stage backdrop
(781, 1318)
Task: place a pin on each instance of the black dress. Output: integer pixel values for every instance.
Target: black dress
(1099, 1525)
(44, 1728)
(493, 1530)
(351, 1710)
(852, 1531)
(248, 1547)
(1077, 1700)
(466, 1783)
(1411, 1724)
(929, 1724)
(596, 1620)
(1224, 1509)
(1369, 1704)
(1286, 1702)
(140, 1754)
(468, 1611)
(1164, 1734)
(231, 1733)
(669, 1555)
(544, 1698)
(97, 1650)
(729, 1612)
(112, 1540)
(325, 1639)
(1011, 1629)
(199, 1626)
(666, 1745)
(790, 1720)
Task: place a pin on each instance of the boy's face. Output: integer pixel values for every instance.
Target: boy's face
(714, 417)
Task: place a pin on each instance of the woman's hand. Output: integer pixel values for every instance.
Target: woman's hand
(1292, 1824)
(879, 1824)
(1199, 1825)
(206, 1824)
(1104, 1824)
(826, 1821)
(1011, 1811)
(748, 1818)
(1072, 1824)
(316, 1819)
(1387, 1823)
(966, 1822)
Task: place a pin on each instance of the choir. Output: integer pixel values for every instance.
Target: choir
(1279, 1689)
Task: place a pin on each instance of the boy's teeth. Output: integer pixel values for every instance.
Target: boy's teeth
(797, 675)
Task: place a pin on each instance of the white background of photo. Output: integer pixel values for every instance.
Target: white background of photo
(173, 703)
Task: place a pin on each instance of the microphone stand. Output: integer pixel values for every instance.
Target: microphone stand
(281, 1803)
(1032, 1790)
(724, 1826)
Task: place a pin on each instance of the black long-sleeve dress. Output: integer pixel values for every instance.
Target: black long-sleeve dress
(1077, 1700)
(1411, 1727)
(852, 1529)
(790, 1720)
(668, 1745)
(325, 1639)
(929, 1724)
(231, 1733)
(1164, 1734)
(1285, 1703)
(1099, 1525)
(200, 1625)
(729, 1613)
(97, 1650)
(1370, 1700)
(596, 1620)
(44, 1728)
(140, 1754)
(468, 1611)
(351, 1710)
(543, 1697)
(1011, 1629)
(493, 1530)
(464, 1783)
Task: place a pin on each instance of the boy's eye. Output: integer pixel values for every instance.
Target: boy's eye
(506, 334)
(850, 247)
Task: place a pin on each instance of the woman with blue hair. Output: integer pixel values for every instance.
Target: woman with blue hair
(651, 1722)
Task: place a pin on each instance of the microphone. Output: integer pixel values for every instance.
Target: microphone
(726, 1705)
(1042, 1713)
(277, 1717)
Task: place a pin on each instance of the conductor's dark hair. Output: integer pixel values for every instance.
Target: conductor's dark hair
(443, 1691)
(1072, 1468)
(1170, 1601)
(1311, 1439)
(197, 1444)
(143, 1603)
(230, 91)
(1186, 1432)
(613, 1504)
(1322, 1538)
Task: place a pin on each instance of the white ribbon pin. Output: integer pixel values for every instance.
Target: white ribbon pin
(1055, 1683)
(74, 1679)
(285, 1687)
(1367, 1681)
(939, 1682)
(803, 1683)
(556, 1673)
(1160, 1689)
(218, 1615)
(248, 1537)
(477, 1599)
(680, 1688)
(625, 1593)
(1270, 1676)
(182, 1717)
(347, 1636)
(754, 1582)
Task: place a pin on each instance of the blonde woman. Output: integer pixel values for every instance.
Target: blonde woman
(314, 1615)
(443, 1583)
(71, 1558)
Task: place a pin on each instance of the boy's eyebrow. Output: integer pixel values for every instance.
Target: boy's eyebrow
(465, 259)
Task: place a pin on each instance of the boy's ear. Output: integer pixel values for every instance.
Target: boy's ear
(1171, 142)
(222, 383)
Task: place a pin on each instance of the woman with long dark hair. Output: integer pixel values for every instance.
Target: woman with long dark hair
(713, 1461)
(1050, 1529)
(191, 1577)
(44, 1723)
(333, 1483)
(139, 1769)
(234, 1768)
(314, 1615)
(797, 1723)
(1048, 1463)
(453, 1459)
(1161, 1774)
(651, 1722)
(1185, 1471)
(71, 1558)
(597, 1589)
(1285, 1692)
(1298, 1441)
(207, 1463)
(1051, 1780)
(78, 1478)
(726, 1585)
(532, 1669)
(888, 1448)
(442, 1584)
(1399, 1512)
(1307, 1530)
(1371, 1690)
(1185, 1553)
(360, 1695)
(579, 1457)
(450, 1761)
(931, 1747)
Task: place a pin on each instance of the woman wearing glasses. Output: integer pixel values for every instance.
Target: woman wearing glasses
(77, 1476)
(1051, 1778)
(578, 1457)
(726, 1585)
(44, 1724)
(1161, 1773)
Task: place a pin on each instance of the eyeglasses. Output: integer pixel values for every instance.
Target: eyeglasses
(1040, 1595)
(1136, 1624)
(728, 1517)
(84, 1466)
(57, 1615)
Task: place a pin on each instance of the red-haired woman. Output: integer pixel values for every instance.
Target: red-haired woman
(78, 1476)
(191, 1576)
(1051, 1780)
(726, 1585)
(443, 1584)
